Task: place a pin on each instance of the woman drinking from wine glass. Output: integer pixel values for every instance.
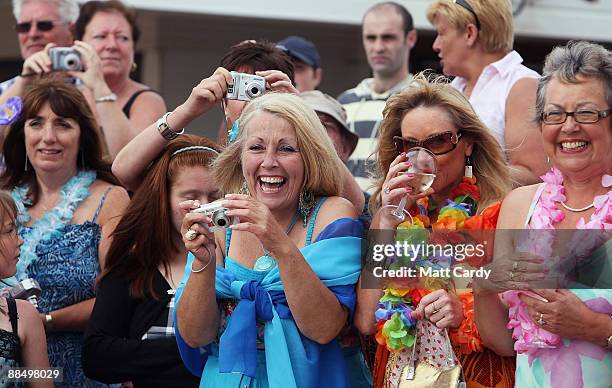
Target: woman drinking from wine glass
(472, 175)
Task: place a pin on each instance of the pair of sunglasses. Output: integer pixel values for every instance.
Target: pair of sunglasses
(41, 25)
(439, 144)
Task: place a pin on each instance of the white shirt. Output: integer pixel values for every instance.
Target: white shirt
(492, 88)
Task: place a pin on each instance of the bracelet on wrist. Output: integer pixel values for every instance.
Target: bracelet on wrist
(48, 322)
(201, 269)
(164, 129)
(108, 98)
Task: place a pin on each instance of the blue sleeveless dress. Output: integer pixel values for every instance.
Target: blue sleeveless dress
(295, 360)
(66, 270)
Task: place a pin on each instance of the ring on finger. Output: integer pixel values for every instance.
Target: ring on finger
(387, 190)
(191, 234)
(540, 320)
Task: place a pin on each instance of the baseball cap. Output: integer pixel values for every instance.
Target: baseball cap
(302, 49)
(324, 103)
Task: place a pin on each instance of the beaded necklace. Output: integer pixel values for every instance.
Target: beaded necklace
(72, 193)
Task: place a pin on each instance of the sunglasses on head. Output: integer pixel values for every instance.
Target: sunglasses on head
(41, 25)
(438, 144)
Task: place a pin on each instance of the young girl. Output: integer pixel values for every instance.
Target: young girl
(22, 337)
(130, 335)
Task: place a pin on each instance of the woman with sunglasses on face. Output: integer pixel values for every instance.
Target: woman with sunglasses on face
(474, 44)
(435, 116)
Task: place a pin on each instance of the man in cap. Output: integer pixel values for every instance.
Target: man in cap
(333, 117)
(306, 62)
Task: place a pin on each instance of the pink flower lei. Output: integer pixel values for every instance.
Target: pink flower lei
(545, 215)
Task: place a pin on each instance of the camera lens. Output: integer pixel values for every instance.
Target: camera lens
(220, 219)
(72, 62)
(253, 90)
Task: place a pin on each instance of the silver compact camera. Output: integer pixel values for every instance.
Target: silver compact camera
(246, 86)
(216, 212)
(27, 289)
(65, 58)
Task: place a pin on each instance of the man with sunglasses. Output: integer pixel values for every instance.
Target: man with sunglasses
(388, 36)
(39, 22)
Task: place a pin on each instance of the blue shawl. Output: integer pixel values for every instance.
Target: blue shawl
(292, 359)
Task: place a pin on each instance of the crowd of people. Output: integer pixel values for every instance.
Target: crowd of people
(133, 254)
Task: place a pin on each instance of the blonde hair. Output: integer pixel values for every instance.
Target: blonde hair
(489, 167)
(322, 174)
(495, 16)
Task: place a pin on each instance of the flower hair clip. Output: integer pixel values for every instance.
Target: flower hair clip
(10, 110)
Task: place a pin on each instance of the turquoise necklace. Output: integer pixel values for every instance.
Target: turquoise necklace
(267, 262)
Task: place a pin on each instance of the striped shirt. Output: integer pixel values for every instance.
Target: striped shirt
(364, 109)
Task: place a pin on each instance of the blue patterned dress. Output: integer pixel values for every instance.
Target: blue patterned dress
(66, 270)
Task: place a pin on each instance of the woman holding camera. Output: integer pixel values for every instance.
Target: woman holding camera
(22, 337)
(247, 57)
(107, 33)
(68, 208)
(130, 335)
(249, 288)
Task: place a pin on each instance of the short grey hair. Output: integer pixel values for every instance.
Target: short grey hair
(577, 58)
(68, 10)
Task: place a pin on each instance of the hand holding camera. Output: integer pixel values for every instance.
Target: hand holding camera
(217, 213)
(27, 289)
(245, 87)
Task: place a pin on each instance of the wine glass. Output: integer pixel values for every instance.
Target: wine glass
(424, 168)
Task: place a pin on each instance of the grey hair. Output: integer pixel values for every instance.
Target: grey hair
(68, 10)
(567, 63)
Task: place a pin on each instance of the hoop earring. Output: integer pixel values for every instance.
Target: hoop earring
(468, 168)
(244, 189)
(305, 205)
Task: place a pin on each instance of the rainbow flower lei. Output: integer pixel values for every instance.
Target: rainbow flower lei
(395, 327)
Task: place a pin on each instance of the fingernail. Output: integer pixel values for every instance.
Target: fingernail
(403, 154)
(408, 164)
(227, 195)
(409, 175)
(409, 189)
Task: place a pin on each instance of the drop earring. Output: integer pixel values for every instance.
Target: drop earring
(468, 168)
(244, 189)
(25, 168)
(305, 205)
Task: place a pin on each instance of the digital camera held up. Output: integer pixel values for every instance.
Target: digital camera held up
(216, 212)
(27, 289)
(65, 58)
(246, 86)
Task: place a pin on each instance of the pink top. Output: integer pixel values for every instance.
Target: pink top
(492, 88)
